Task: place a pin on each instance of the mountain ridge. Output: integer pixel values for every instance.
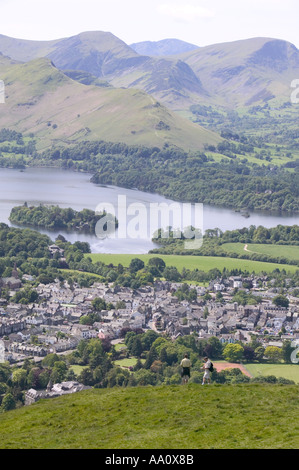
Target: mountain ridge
(237, 73)
(232, 74)
(147, 100)
(41, 99)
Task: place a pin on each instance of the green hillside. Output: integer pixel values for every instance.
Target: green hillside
(41, 99)
(241, 87)
(255, 416)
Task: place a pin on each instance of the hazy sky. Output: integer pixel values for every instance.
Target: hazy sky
(200, 22)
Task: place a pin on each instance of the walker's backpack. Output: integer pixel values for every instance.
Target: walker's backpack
(211, 368)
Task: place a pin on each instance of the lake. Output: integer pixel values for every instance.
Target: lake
(73, 189)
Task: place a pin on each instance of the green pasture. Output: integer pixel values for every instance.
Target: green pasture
(77, 369)
(127, 362)
(287, 371)
(202, 263)
(290, 252)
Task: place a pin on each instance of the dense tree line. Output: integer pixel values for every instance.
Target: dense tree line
(138, 274)
(14, 380)
(214, 241)
(18, 151)
(158, 362)
(55, 217)
(193, 178)
(11, 136)
(279, 235)
(262, 126)
(28, 251)
(179, 175)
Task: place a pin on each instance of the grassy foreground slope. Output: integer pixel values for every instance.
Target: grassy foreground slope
(167, 417)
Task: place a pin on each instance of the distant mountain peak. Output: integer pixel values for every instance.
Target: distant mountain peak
(163, 47)
(276, 54)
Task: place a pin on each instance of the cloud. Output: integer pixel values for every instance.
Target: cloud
(185, 12)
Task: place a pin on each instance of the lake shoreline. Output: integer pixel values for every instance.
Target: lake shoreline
(72, 188)
(244, 212)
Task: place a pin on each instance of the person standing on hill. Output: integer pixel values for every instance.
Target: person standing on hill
(186, 365)
(207, 371)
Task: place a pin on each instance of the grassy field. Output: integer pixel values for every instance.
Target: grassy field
(241, 416)
(290, 252)
(77, 369)
(74, 271)
(288, 371)
(128, 362)
(120, 346)
(204, 263)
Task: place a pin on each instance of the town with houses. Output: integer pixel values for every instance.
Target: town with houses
(55, 320)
